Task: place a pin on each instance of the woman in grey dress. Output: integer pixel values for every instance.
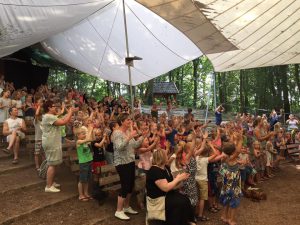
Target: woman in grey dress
(51, 141)
(5, 104)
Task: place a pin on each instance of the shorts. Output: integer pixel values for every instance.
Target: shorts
(20, 134)
(96, 167)
(53, 156)
(203, 189)
(85, 172)
(37, 147)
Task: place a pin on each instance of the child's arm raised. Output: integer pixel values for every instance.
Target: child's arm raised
(88, 138)
(215, 152)
(202, 147)
(102, 142)
(238, 145)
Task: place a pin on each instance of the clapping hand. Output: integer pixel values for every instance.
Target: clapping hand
(182, 176)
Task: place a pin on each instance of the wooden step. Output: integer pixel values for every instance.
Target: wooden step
(8, 167)
(12, 182)
(34, 198)
(72, 211)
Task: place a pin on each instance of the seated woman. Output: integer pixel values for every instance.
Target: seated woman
(159, 182)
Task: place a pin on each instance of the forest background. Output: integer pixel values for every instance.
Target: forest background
(257, 90)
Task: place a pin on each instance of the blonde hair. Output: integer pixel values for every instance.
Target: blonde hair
(256, 143)
(159, 157)
(79, 130)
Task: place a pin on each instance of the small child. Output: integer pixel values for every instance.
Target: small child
(246, 168)
(231, 191)
(258, 162)
(85, 158)
(270, 152)
(38, 150)
(97, 147)
(201, 177)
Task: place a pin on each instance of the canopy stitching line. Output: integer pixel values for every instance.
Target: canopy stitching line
(257, 28)
(264, 36)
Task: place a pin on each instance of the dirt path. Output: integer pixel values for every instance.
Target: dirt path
(281, 208)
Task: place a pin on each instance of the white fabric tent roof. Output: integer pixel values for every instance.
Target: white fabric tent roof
(267, 33)
(97, 44)
(89, 34)
(26, 22)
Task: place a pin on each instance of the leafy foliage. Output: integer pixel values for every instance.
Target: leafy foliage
(251, 90)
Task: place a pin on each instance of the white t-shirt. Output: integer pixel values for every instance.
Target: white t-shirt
(292, 124)
(173, 167)
(202, 163)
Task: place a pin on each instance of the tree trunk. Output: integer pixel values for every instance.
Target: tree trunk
(284, 75)
(246, 100)
(221, 92)
(195, 80)
(93, 86)
(149, 92)
(296, 75)
(108, 91)
(242, 102)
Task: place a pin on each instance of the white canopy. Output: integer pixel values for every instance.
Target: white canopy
(89, 34)
(97, 44)
(267, 33)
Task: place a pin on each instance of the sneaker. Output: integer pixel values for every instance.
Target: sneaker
(56, 185)
(130, 211)
(121, 215)
(51, 189)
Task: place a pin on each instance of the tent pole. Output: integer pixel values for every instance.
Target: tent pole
(127, 53)
(215, 96)
(208, 97)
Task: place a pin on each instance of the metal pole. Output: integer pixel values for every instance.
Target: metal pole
(127, 51)
(208, 98)
(215, 95)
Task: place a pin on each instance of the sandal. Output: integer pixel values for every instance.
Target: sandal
(15, 161)
(83, 199)
(213, 210)
(202, 218)
(89, 197)
(7, 151)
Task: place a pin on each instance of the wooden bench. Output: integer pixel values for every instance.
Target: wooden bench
(109, 178)
(293, 151)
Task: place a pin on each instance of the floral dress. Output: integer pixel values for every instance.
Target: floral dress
(231, 191)
(189, 186)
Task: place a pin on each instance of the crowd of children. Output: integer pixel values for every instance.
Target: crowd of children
(222, 160)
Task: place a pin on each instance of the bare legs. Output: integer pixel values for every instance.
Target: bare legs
(83, 190)
(16, 148)
(228, 215)
(50, 175)
(14, 145)
(123, 202)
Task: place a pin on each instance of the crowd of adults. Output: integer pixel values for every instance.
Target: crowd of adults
(183, 162)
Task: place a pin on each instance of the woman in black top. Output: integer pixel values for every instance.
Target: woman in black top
(159, 182)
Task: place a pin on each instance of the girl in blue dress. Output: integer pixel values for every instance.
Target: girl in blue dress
(231, 190)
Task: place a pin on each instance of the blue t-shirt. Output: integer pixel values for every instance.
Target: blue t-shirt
(171, 137)
(218, 117)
